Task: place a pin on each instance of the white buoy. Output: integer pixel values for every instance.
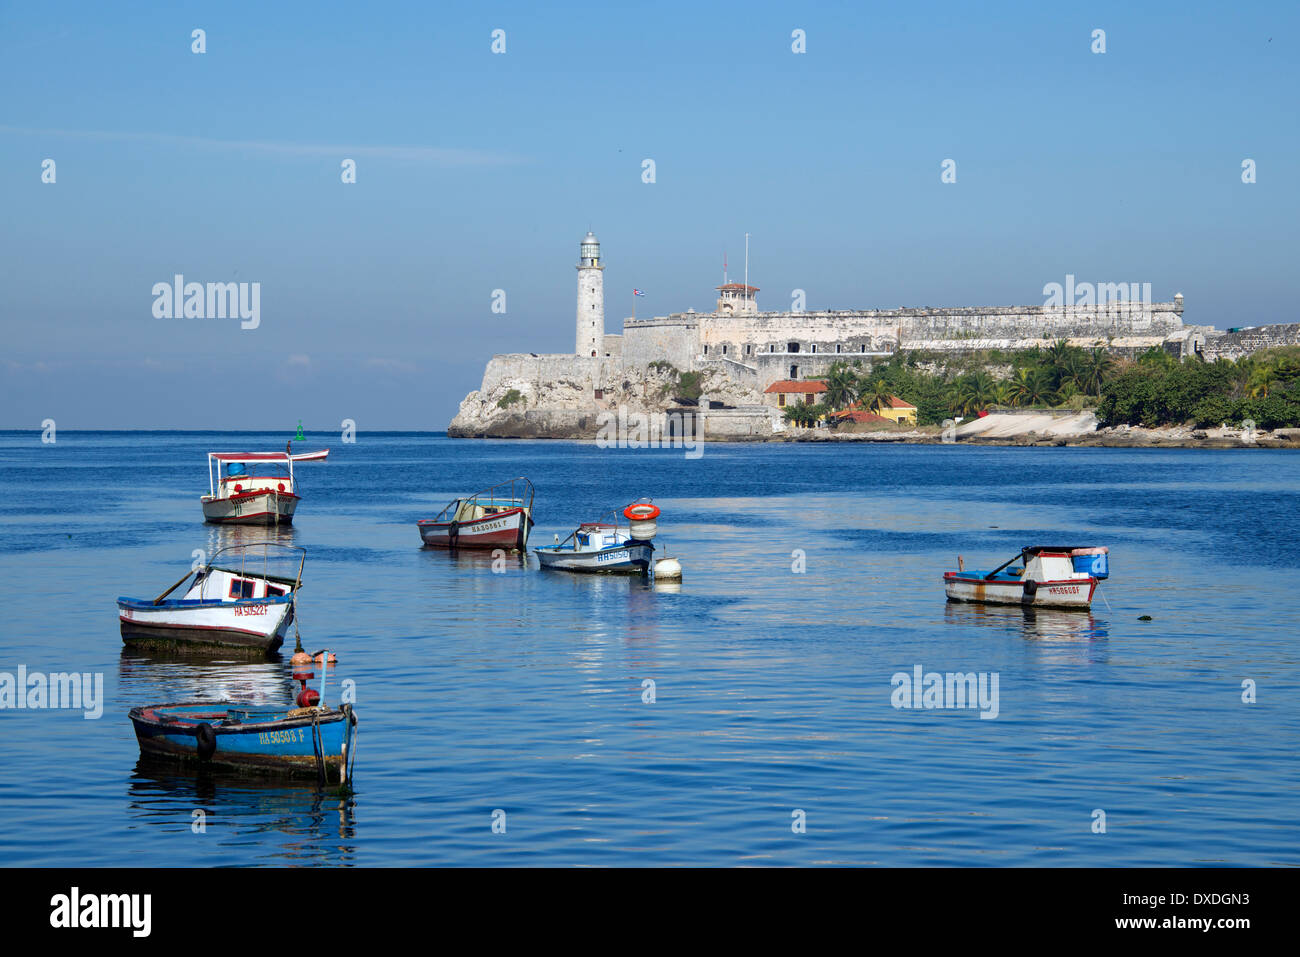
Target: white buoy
(643, 531)
(668, 569)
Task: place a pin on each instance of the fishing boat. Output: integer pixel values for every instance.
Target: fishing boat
(314, 740)
(1039, 576)
(253, 488)
(239, 599)
(605, 545)
(497, 517)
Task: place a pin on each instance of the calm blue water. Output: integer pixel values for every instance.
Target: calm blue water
(522, 690)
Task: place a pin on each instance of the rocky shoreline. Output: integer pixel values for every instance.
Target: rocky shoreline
(583, 429)
(1120, 437)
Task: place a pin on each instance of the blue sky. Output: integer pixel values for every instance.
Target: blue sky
(478, 171)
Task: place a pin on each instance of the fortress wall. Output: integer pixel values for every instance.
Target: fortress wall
(1234, 345)
(743, 373)
(673, 339)
(773, 367)
(887, 330)
(540, 370)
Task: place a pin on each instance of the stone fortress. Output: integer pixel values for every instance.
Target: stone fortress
(739, 351)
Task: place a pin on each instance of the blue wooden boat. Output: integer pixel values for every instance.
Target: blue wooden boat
(310, 741)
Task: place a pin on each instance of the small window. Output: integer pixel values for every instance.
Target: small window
(241, 588)
(808, 399)
(794, 372)
(706, 350)
(792, 347)
(837, 348)
(780, 399)
(275, 591)
(600, 393)
(724, 350)
(814, 347)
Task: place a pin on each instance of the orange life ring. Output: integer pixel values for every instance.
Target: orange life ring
(641, 512)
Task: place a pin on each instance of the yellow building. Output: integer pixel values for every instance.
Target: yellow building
(896, 410)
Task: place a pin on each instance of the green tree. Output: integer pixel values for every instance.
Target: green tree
(1032, 386)
(973, 393)
(1097, 366)
(841, 386)
(876, 395)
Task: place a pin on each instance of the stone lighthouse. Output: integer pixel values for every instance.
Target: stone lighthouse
(591, 298)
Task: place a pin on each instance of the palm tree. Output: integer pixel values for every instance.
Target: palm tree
(841, 386)
(1071, 372)
(876, 396)
(974, 393)
(1097, 367)
(1262, 377)
(1032, 387)
(1058, 353)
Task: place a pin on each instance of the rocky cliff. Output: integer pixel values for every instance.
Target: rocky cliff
(522, 397)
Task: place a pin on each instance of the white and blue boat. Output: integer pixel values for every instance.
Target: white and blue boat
(607, 545)
(242, 599)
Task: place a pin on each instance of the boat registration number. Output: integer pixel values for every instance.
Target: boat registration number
(1064, 589)
(287, 736)
(242, 610)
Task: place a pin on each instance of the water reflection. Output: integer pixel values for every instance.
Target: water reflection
(491, 559)
(317, 823)
(1033, 623)
(223, 536)
(148, 678)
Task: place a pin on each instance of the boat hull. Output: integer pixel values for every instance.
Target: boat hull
(632, 558)
(276, 741)
(251, 508)
(256, 626)
(1066, 594)
(507, 529)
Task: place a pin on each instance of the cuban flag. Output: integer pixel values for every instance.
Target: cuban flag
(637, 292)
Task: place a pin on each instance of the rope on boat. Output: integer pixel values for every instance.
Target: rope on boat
(1103, 597)
(349, 746)
(318, 747)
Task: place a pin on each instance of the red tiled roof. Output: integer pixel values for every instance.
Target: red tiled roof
(859, 415)
(737, 285)
(790, 385)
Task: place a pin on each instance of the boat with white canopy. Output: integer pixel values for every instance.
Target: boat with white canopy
(253, 488)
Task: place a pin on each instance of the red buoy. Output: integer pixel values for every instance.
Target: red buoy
(308, 698)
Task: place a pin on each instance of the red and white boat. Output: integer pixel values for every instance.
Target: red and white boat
(253, 488)
(497, 517)
(1047, 576)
